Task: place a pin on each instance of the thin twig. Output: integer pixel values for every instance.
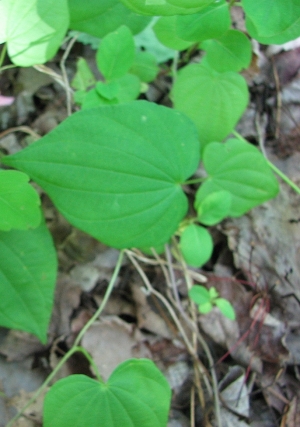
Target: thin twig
(191, 326)
(194, 274)
(24, 129)
(151, 290)
(209, 358)
(278, 99)
(192, 407)
(65, 75)
(261, 133)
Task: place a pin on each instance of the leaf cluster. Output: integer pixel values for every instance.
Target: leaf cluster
(118, 168)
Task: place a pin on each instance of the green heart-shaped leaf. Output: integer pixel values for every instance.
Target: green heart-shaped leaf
(211, 22)
(27, 280)
(99, 18)
(231, 52)
(136, 394)
(33, 29)
(214, 101)
(19, 202)
(165, 31)
(116, 171)
(116, 53)
(212, 208)
(274, 22)
(240, 169)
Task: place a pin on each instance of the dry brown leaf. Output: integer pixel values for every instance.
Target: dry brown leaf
(111, 341)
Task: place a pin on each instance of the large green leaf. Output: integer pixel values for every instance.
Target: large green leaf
(19, 202)
(136, 394)
(214, 101)
(34, 29)
(231, 52)
(116, 53)
(275, 22)
(239, 168)
(163, 7)
(211, 22)
(27, 280)
(102, 17)
(115, 171)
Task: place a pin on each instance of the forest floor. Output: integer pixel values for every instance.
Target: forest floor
(255, 360)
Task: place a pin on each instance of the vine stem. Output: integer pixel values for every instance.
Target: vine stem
(2, 54)
(285, 178)
(104, 301)
(194, 181)
(76, 348)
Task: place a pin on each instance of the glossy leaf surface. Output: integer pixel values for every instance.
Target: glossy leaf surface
(116, 53)
(274, 22)
(196, 245)
(27, 280)
(231, 52)
(136, 394)
(33, 29)
(212, 208)
(211, 22)
(240, 169)
(166, 32)
(214, 101)
(99, 18)
(19, 202)
(162, 7)
(144, 66)
(110, 173)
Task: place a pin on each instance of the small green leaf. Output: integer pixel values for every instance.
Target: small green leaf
(27, 280)
(19, 202)
(129, 88)
(34, 29)
(214, 101)
(125, 89)
(84, 78)
(205, 308)
(211, 22)
(116, 53)
(274, 22)
(226, 308)
(212, 208)
(99, 18)
(108, 90)
(165, 31)
(213, 293)
(231, 52)
(113, 176)
(144, 66)
(196, 245)
(243, 172)
(136, 394)
(199, 294)
(93, 99)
